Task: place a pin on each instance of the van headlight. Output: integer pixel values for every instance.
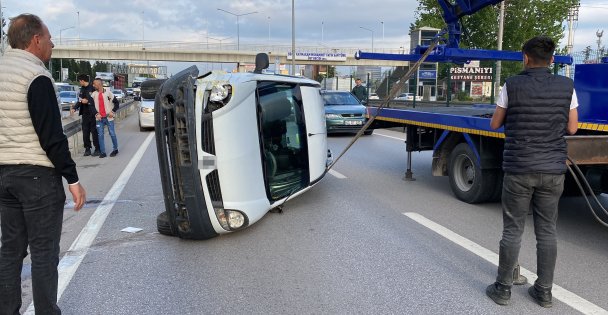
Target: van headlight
(332, 116)
(231, 220)
(220, 93)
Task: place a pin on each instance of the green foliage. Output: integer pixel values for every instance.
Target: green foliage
(523, 20)
(463, 96)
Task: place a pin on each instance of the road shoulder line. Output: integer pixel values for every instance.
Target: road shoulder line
(79, 248)
(569, 298)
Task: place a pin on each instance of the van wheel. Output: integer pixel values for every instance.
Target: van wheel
(469, 183)
(368, 132)
(163, 225)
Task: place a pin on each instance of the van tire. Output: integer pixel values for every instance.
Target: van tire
(163, 225)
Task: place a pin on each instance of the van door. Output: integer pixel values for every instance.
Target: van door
(314, 112)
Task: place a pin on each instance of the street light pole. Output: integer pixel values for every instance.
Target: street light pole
(293, 38)
(219, 40)
(78, 12)
(268, 30)
(382, 22)
(367, 29)
(322, 29)
(63, 29)
(1, 31)
(61, 59)
(501, 23)
(238, 38)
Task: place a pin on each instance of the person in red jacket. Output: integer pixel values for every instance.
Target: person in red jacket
(106, 106)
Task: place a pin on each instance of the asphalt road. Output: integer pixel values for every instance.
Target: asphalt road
(344, 247)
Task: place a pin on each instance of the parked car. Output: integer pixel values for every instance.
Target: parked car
(373, 96)
(129, 91)
(68, 99)
(146, 114)
(343, 112)
(62, 86)
(233, 146)
(119, 94)
(408, 97)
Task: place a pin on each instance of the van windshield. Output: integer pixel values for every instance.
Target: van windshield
(284, 147)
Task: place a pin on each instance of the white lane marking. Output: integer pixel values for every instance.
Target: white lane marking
(336, 174)
(74, 256)
(379, 134)
(575, 301)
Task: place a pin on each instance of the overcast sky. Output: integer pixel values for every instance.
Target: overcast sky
(330, 23)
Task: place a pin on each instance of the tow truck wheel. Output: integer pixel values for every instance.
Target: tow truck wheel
(468, 182)
(163, 225)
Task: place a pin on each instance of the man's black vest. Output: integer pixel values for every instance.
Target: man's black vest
(536, 121)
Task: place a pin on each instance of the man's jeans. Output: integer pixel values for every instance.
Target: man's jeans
(31, 209)
(100, 124)
(520, 192)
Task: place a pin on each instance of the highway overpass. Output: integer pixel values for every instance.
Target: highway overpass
(204, 52)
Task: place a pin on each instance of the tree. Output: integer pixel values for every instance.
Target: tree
(523, 20)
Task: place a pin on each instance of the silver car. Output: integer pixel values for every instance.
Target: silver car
(146, 114)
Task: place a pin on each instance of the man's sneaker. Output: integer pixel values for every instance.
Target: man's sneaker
(541, 297)
(102, 155)
(518, 279)
(87, 152)
(113, 154)
(96, 153)
(499, 293)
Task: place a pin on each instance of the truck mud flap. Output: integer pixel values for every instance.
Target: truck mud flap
(175, 125)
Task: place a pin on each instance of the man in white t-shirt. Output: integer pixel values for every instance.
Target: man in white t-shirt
(537, 109)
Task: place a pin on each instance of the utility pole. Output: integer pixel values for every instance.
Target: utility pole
(293, 38)
(1, 30)
(501, 26)
(572, 17)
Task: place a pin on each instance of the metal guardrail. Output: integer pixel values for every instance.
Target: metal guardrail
(73, 127)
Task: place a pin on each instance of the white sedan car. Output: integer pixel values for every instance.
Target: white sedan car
(146, 114)
(232, 146)
(408, 97)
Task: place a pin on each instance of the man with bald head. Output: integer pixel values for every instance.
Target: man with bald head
(34, 156)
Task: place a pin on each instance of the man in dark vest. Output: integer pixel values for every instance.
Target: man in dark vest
(537, 109)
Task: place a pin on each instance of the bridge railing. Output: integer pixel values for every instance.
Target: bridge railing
(205, 46)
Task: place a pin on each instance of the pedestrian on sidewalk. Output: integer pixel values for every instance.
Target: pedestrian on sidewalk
(106, 106)
(85, 108)
(34, 155)
(537, 109)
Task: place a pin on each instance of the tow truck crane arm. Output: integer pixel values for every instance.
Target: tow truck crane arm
(453, 10)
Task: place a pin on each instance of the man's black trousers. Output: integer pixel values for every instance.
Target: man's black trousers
(89, 129)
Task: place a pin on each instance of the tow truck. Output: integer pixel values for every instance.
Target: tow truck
(464, 147)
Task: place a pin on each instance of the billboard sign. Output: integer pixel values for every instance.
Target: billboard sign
(318, 56)
(427, 74)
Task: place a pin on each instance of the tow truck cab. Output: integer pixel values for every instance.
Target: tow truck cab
(232, 146)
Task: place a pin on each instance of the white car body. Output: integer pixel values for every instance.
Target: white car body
(408, 97)
(251, 150)
(146, 114)
(119, 94)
